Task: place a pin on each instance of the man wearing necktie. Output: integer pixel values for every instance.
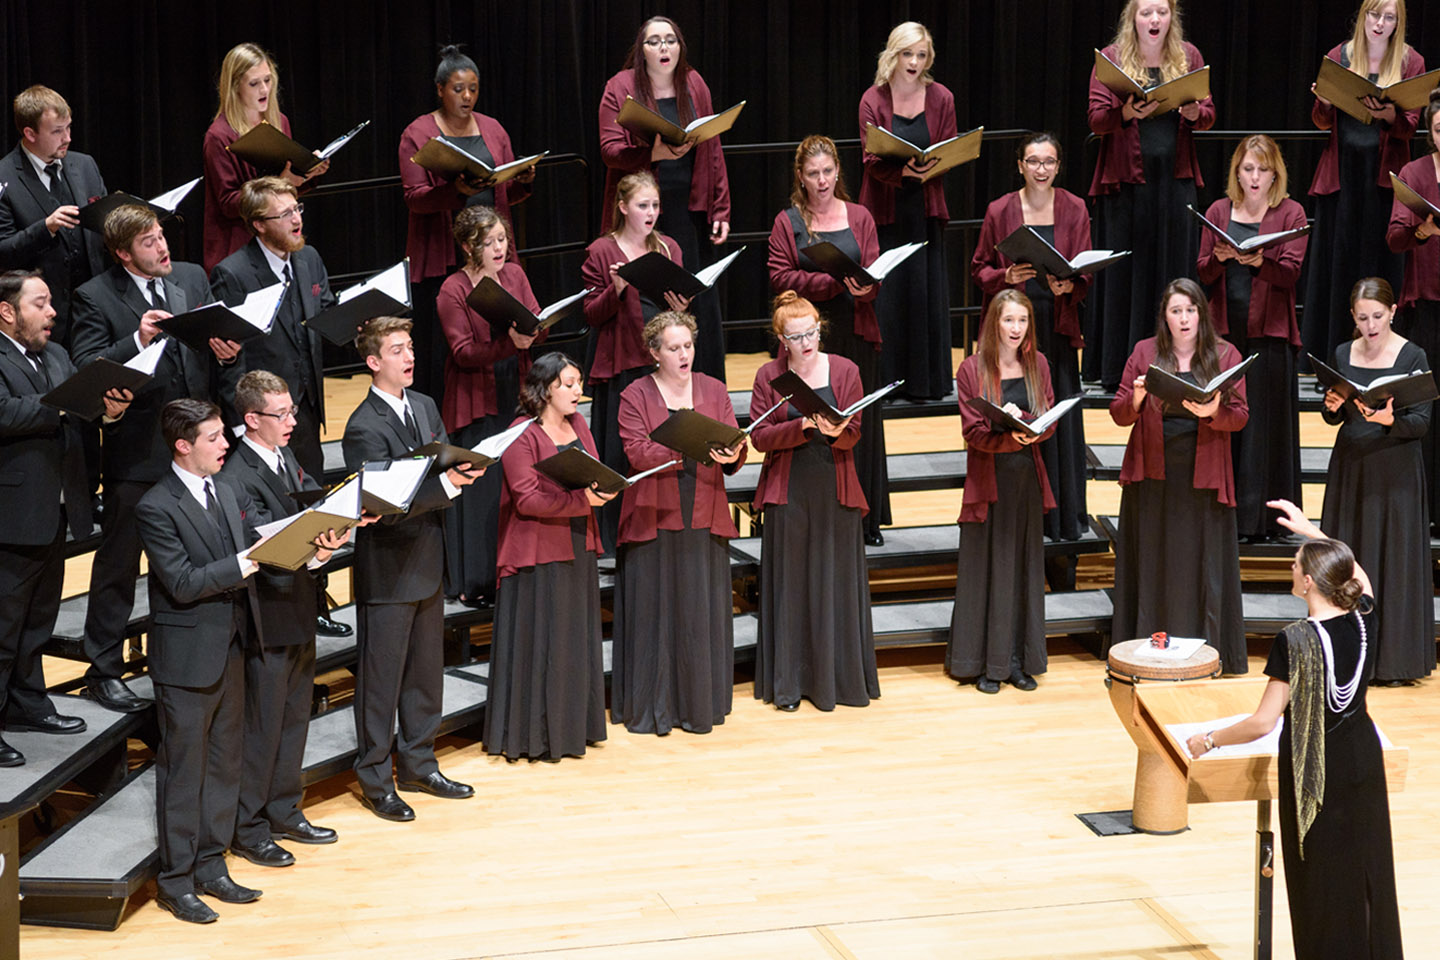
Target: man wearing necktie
(42, 482)
(279, 684)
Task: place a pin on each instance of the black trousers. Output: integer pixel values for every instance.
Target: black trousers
(401, 673)
(278, 689)
(197, 776)
(30, 579)
(113, 573)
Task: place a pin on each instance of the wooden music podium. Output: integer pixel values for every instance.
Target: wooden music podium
(1215, 779)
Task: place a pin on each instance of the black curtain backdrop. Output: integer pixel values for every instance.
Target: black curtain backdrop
(141, 80)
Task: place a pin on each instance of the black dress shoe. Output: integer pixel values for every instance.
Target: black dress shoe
(438, 785)
(189, 908)
(51, 724)
(788, 707)
(876, 539)
(986, 685)
(1022, 681)
(326, 627)
(305, 832)
(228, 891)
(266, 853)
(113, 694)
(388, 807)
(9, 756)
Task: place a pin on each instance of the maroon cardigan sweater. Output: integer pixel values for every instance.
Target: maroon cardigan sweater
(1394, 138)
(882, 176)
(474, 350)
(1145, 451)
(1119, 161)
(1422, 259)
(654, 503)
(225, 174)
(1272, 287)
(781, 433)
(625, 152)
(535, 511)
(983, 441)
(785, 272)
(433, 201)
(617, 319)
(1072, 236)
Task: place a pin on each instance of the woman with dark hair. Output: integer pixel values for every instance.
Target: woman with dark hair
(694, 186)
(249, 94)
(1352, 180)
(914, 307)
(997, 630)
(1145, 174)
(1060, 218)
(547, 675)
(820, 209)
(1334, 805)
(1420, 297)
(816, 639)
(1177, 561)
(433, 201)
(1375, 487)
(483, 372)
(674, 652)
(1252, 304)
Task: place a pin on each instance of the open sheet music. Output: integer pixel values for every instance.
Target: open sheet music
(804, 398)
(1005, 421)
(1170, 95)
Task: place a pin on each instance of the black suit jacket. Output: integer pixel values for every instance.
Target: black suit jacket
(26, 243)
(40, 452)
(242, 273)
(400, 559)
(287, 598)
(191, 576)
(107, 313)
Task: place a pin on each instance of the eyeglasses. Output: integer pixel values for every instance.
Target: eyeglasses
(282, 416)
(655, 43)
(811, 334)
(294, 211)
(1041, 163)
(1381, 17)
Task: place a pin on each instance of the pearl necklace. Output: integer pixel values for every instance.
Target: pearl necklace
(1339, 697)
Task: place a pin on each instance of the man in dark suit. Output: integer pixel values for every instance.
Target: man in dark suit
(42, 480)
(292, 351)
(279, 684)
(399, 566)
(47, 184)
(115, 317)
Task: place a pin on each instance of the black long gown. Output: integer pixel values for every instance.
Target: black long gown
(1420, 324)
(1375, 502)
(998, 625)
(472, 524)
(914, 303)
(1266, 450)
(1342, 893)
(1177, 560)
(816, 638)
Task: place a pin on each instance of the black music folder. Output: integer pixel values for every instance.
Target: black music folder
(244, 321)
(1024, 245)
(1408, 389)
(92, 215)
(635, 117)
(575, 469)
(1005, 421)
(480, 456)
(950, 153)
(834, 261)
(1261, 241)
(1171, 95)
(440, 155)
(1411, 198)
(266, 148)
(692, 433)
(1174, 390)
(386, 294)
(290, 541)
(654, 274)
(84, 393)
(502, 311)
(389, 486)
(804, 398)
(1345, 89)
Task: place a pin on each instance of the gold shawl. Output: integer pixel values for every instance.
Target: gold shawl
(1307, 723)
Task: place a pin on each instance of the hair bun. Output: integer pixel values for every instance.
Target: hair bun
(1349, 594)
(450, 50)
(784, 297)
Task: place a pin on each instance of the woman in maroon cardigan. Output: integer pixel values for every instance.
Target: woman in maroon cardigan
(997, 631)
(1145, 175)
(1420, 297)
(914, 307)
(433, 201)
(1352, 181)
(547, 675)
(619, 312)
(1061, 218)
(1177, 563)
(816, 639)
(820, 209)
(674, 653)
(249, 92)
(1252, 304)
(694, 186)
(483, 371)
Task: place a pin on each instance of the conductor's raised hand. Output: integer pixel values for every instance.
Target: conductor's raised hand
(1292, 518)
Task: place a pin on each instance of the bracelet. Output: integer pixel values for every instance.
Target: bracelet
(1209, 742)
